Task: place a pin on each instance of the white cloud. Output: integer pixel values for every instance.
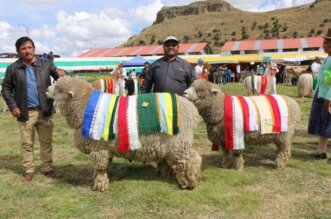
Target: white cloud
(82, 30)
(146, 14)
(45, 2)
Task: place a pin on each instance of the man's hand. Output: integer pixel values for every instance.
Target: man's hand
(16, 112)
(60, 72)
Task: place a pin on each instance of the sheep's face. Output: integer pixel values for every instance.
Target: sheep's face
(60, 90)
(208, 99)
(201, 90)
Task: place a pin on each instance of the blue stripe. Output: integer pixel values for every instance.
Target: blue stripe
(89, 112)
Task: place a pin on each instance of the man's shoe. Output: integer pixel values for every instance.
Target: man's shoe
(53, 174)
(27, 177)
(320, 156)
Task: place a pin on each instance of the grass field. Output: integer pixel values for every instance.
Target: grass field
(301, 190)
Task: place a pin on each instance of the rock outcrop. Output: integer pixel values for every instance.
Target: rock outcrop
(201, 7)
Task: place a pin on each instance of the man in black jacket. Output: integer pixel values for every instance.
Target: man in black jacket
(170, 73)
(24, 90)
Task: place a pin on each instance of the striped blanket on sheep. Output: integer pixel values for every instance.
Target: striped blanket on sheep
(107, 86)
(107, 116)
(245, 114)
(264, 83)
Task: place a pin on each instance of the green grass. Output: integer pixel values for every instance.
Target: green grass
(301, 190)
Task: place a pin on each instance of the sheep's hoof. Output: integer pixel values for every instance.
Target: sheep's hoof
(100, 181)
(188, 173)
(225, 161)
(238, 163)
(280, 164)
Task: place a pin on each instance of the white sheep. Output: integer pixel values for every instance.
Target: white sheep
(306, 85)
(168, 151)
(209, 100)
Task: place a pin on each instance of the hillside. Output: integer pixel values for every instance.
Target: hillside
(216, 21)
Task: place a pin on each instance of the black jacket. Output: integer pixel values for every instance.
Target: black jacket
(14, 88)
(168, 76)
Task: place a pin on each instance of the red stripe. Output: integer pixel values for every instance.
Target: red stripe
(123, 125)
(246, 114)
(110, 86)
(228, 122)
(276, 113)
(264, 82)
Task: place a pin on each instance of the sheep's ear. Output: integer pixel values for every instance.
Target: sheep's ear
(214, 91)
(71, 94)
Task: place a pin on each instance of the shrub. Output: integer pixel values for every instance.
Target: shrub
(142, 42)
(199, 33)
(186, 38)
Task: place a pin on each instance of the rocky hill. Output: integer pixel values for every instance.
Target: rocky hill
(216, 21)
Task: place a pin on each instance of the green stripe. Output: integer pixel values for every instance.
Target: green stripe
(147, 114)
(111, 125)
(84, 63)
(174, 113)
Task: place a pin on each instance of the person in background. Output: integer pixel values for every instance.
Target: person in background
(133, 74)
(44, 56)
(205, 71)
(320, 114)
(144, 71)
(316, 66)
(199, 69)
(228, 74)
(170, 73)
(238, 71)
(120, 74)
(222, 70)
(259, 70)
(50, 56)
(24, 90)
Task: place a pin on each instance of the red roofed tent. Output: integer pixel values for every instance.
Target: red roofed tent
(188, 48)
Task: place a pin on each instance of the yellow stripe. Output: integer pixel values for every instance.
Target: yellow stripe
(158, 107)
(271, 110)
(169, 115)
(105, 134)
(178, 111)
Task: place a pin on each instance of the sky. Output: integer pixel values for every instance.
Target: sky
(70, 27)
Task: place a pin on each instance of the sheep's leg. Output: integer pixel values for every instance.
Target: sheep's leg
(239, 161)
(164, 169)
(188, 170)
(284, 152)
(225, 162)
(100, 160)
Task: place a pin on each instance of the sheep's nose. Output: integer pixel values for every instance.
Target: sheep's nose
(185, 93)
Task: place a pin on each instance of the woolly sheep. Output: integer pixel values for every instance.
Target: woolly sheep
(173, 153)
(305, 85)
(209, 100)
(294, 72)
